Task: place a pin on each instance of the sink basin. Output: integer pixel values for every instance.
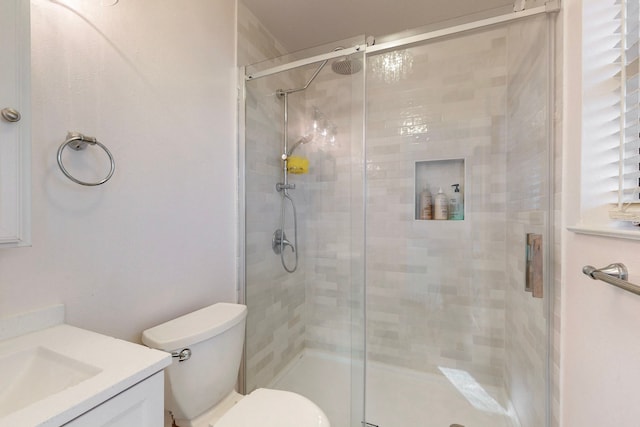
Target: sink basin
(36, 373)
(51, 373)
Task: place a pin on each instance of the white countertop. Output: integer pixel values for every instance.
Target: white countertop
(120, 365)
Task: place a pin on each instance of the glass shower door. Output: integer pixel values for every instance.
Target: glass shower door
(453, 337)
(305, 329)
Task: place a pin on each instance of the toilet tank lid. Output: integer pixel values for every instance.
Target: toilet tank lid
(194, 327)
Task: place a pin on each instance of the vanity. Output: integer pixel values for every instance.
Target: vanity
(54, 374)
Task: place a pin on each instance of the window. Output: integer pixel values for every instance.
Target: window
(627, 207)
(608, 170)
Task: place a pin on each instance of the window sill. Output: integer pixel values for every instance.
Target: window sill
(619, 233)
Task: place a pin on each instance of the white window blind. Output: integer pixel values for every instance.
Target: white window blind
(628, 149)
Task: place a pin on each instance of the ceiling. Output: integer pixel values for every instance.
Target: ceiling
(300, 24)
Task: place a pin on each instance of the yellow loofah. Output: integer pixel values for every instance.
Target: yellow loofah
(298, 165)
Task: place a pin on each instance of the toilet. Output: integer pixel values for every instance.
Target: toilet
(206, 346)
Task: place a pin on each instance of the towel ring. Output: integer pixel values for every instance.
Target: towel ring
(78, 141)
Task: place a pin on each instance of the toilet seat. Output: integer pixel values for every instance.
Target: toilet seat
(273, 408)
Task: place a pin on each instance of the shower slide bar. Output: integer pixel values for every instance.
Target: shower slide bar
(614, 274)
(548, 7)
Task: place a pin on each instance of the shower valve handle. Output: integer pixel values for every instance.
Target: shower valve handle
(286, 243)
(280, 241)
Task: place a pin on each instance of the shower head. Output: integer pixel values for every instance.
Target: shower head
(346, 66)
(303, 140)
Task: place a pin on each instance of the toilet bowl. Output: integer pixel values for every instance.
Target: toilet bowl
(206, 346)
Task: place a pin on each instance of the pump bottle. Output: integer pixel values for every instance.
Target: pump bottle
(456, 205)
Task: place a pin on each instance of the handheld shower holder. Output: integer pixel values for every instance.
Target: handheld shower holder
(280, 186)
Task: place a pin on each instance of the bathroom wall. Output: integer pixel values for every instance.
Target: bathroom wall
(527, 205)
(600, 344)
(155, 82)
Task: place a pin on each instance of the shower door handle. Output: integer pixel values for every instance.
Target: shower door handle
(534, 278)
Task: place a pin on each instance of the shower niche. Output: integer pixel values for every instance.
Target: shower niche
(429, 178)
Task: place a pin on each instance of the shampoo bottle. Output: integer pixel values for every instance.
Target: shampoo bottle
(441, 206)
(456, 206)
(426, 204)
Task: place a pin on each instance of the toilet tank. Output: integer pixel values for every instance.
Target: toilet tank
(215, 337)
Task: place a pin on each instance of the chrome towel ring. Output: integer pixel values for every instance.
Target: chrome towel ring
(78, 141)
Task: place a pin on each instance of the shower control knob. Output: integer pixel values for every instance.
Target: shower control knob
(285, 157)
(10, 114)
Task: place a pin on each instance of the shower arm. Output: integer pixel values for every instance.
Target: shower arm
(284, 92)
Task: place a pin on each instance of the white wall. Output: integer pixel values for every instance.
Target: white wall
(155, 82)
(600, 342)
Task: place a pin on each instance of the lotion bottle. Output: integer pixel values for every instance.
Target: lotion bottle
(426, 204)
(441, 206)
(456, 205)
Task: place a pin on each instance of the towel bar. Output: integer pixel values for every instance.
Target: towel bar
(615, 274)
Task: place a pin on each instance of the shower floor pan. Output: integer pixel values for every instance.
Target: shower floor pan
(396, 397)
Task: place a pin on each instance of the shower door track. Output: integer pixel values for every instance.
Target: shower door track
(549, 7)
(552, 6)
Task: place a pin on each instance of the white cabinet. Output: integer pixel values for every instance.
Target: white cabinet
(141, 406)
(15, 144)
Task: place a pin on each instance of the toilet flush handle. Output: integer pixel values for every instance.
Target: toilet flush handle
(182, 355)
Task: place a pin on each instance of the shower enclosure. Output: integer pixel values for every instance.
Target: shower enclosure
(389, 318)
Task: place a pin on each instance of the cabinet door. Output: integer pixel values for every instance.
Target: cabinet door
(15, 144)
(140, 406)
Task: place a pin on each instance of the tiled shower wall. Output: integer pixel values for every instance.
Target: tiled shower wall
(276, 299)
(436, 289)
(335, 218)
(437, 293)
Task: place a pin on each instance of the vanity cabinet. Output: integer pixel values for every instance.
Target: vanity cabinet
(141, 406)
(15, 144)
